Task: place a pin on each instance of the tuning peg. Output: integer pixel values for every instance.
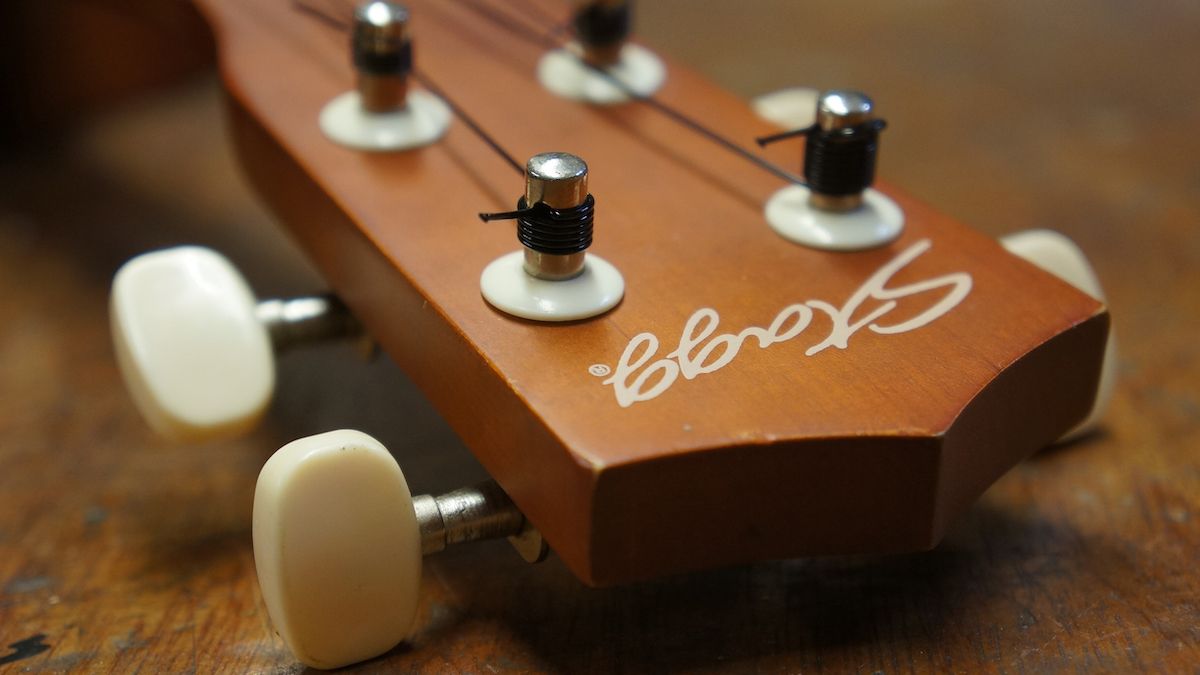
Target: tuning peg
(1058, 255)
(338, 543)
(601, 66)
(835, 209)
(195, 347)
(383, 113)
(602, 28)
(792, 108)
(552, 277)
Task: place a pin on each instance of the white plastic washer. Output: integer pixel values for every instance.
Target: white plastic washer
(878, 221)
(422, 121)
(509, 288)
(564, 73)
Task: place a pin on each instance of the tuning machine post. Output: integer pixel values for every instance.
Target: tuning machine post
(837, 210)
(196, 349)
(601, 66)
(801, 108)
(383, 113)
(602, 28)
(339, 541)
(552, 277)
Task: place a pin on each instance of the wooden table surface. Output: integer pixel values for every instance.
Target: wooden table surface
(122, 553)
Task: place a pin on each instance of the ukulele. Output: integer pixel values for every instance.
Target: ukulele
(738, 392)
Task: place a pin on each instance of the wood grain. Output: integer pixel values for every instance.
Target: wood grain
(868, 449)
(129, 555)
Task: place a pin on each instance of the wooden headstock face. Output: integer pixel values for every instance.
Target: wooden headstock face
(748, 399)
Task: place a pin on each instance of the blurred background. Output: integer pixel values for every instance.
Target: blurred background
(1075, 115)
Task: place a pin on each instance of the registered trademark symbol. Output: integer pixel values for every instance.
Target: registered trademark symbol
(599, 369)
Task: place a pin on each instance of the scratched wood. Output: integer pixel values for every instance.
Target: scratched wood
(125, 554)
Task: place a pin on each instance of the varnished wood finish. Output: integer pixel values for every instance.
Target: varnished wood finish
(870, 449)
(131, 555)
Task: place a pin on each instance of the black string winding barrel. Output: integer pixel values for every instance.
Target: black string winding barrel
(382, 52)
(841, 162)
(603, 23)
(841, 150)
(555, 216)
(556, 231)
(602, 27)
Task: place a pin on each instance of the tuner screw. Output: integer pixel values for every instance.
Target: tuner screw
(338, 542)
(194, 346)
(382, 52)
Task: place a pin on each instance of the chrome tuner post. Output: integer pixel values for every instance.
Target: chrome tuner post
(293, 322)
(475, 513)
(552, 278)
(804, 108)
(837, 210)
(602, 27)
(382, 53)
(338, 543)
(196, 349)
(555, 249)
(839, 157)
(601, 66)
(383, 113)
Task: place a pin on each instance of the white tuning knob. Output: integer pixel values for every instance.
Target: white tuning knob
(792, 108)
(195, 346)
(1061, 257)
(338, 542)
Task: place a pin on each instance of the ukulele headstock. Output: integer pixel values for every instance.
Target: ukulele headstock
(749, 398)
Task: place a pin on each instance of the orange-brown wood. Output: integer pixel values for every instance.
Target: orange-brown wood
(127, 554)
(868, 449)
